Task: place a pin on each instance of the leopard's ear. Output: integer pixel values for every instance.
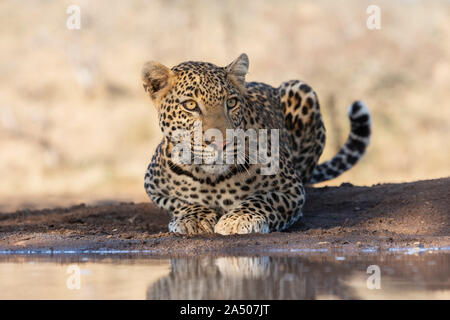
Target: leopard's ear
(238, 69)
(157, 79)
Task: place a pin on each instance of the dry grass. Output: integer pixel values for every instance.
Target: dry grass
(75, 122)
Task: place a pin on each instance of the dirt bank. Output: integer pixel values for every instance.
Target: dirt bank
(349, 217)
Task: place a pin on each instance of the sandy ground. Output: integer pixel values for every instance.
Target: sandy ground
(348, 217)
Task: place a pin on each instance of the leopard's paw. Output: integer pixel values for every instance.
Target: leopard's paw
(241, 223)
(244, 267)
(193, 224)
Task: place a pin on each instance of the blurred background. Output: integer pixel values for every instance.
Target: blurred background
(76, 125)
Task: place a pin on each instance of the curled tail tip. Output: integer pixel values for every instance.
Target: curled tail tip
(353, 149)
(359, 112)
(360, 121)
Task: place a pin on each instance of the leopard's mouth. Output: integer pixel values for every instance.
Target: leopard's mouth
(215, 169)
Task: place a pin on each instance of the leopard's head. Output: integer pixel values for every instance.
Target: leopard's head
(198, 98)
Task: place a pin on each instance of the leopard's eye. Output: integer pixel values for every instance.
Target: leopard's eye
(191, 105)
(231, 103)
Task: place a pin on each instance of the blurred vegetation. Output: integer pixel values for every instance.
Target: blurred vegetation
(76, 124)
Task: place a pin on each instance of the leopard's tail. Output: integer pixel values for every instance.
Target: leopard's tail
(353, 149)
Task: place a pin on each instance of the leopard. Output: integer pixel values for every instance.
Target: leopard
(245, 196)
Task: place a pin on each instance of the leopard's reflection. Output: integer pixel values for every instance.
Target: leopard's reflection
(250, 278)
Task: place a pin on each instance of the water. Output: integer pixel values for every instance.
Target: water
(403, 274)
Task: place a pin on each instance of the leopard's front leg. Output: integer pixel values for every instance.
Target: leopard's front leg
(262, 213)
(187, 218)
(193, 219)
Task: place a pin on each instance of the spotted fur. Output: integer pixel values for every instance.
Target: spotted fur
(237, 198)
